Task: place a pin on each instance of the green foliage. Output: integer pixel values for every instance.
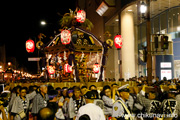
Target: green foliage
(66, 21)
(69, 20)
(87, 24)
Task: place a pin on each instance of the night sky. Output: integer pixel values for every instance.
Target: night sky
(21, 21)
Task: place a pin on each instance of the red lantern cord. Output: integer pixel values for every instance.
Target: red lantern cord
(118, 41)
(30, 46)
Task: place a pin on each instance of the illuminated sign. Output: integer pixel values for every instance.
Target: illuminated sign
(167, 74)
(165, 64)
(102, 8)
(34, 59)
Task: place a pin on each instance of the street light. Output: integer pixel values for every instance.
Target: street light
(9, 63)
(43, 22)
(143, 8)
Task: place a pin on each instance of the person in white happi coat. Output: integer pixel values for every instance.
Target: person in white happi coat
(40, 101)
(108, 100)
(21, 105)
(75, 103)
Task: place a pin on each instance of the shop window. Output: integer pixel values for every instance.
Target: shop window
(156, 25)
(112, 29)
(173, 19)
(163, 22)
(178, 14)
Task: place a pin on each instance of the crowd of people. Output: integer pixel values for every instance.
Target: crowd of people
(112, 102)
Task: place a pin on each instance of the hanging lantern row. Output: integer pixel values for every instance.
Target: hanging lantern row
(67, 68)
(118, 41)
(51, 69)
(96, 68)
(30, 46)
(81, 16)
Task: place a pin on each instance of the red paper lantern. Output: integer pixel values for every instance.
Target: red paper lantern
(65, 37)
(81, 16)
(118, 41)
(67, 68)
(51, 69)
(30, 46)
(96, 67)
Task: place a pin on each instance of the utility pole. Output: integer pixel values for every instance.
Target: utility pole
(148, 38)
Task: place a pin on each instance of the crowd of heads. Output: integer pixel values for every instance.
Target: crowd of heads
(91, 93)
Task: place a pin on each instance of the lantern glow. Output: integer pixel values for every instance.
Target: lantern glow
(9, 63)
(51, 70)
(65, 37)
(118, 41)
(67, 68)
(30, 46)
(81, 16)
(96, 67)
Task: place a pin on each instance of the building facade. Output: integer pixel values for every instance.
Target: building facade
(124, 17)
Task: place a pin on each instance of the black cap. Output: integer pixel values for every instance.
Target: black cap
(83, 87)
(90, 95)
(124, 88)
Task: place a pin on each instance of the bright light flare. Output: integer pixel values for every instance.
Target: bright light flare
(143, 8)
(43, 23)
